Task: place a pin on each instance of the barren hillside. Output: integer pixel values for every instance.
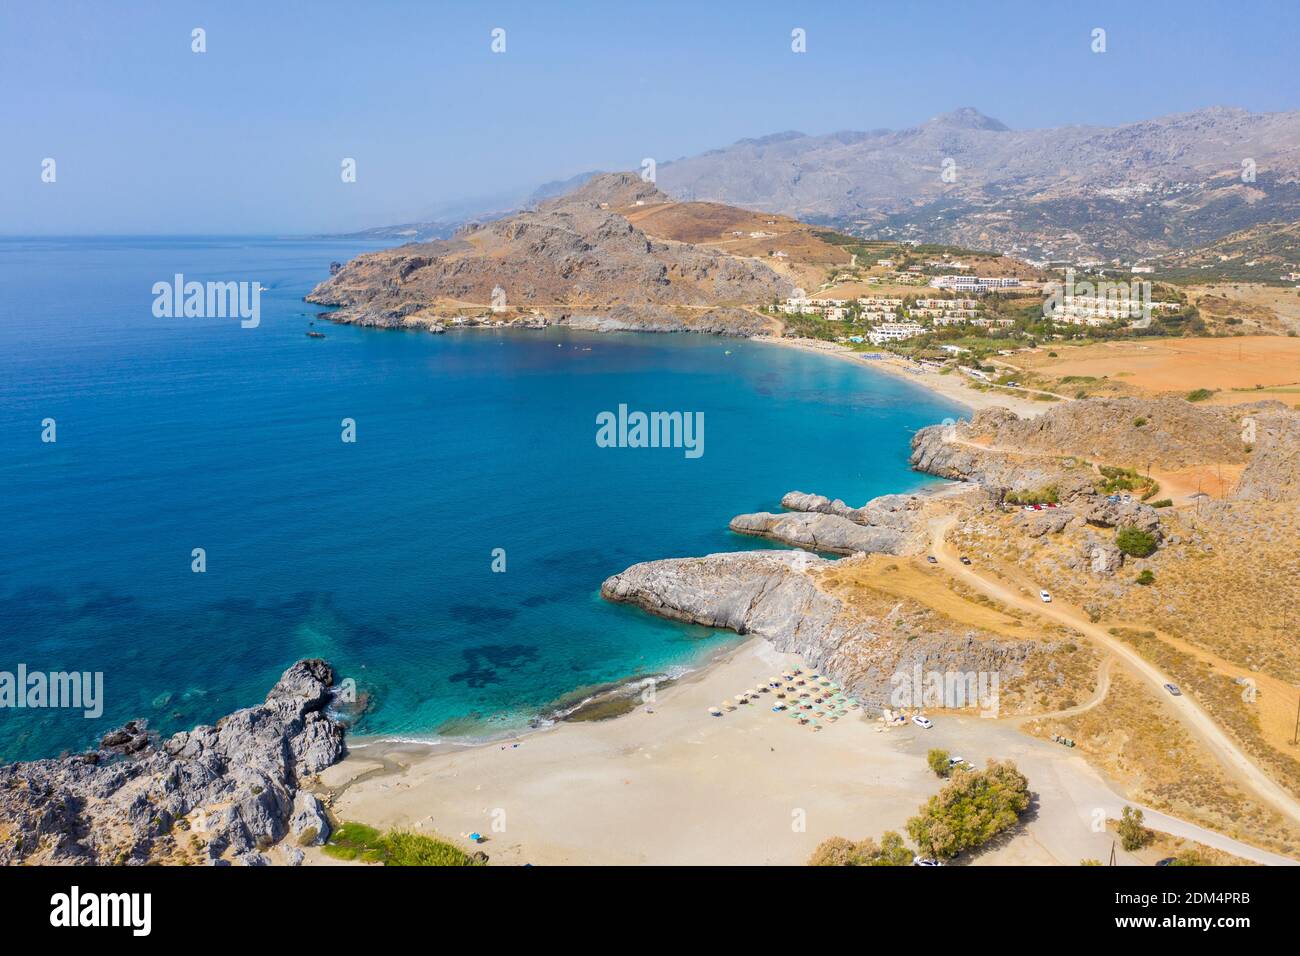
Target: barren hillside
(575, 256)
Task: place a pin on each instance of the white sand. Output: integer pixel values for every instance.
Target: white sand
(677, 786)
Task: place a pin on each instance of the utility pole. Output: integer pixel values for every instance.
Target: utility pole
(1296, 739)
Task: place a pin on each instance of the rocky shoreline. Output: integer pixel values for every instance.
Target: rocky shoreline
(235, 792)
(999, 457)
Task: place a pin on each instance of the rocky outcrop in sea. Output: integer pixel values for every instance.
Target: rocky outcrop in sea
(890, 524)
(227, 793)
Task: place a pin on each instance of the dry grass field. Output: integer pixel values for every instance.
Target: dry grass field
(808, 259)
(1272, 308)
(1238, 369)
(1218, 616)
(906, 599)
(1130, 736)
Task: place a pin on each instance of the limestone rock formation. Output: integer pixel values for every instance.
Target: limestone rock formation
(223, 793)
(774, 594)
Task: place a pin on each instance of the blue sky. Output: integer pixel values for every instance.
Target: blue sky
(249, 136)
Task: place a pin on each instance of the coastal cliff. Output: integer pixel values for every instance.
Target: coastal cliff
(1073, 456)
(790, 598)
(228, 793)
(576, 260)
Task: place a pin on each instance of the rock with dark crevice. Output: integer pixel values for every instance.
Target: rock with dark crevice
(213, 794)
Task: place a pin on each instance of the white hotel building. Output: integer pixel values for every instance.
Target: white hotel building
(894, 332)
(976, 284)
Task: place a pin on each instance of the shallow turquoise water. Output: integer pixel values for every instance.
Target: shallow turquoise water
(175, 434)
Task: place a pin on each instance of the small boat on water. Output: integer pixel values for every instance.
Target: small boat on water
(315, 335)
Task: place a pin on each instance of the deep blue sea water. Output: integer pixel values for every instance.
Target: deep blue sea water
(175, 434)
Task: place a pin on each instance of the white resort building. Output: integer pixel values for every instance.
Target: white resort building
(894, 332)
(977, 284)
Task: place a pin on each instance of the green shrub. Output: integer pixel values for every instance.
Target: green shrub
(414, 849)
(1034, 496)
(1132, 834)
(356, 841)
(1139, 422)
(938, 761)
(970, 810)
(838, 851)
(1163, 503)
(1146, 577)
(1136, 542)
(1199, 395)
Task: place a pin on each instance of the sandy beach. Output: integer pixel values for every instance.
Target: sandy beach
(671, 784)
(952, 386)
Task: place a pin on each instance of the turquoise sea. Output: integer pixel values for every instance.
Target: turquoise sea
(176, 434)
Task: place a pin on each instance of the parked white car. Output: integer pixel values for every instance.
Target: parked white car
(925, 723)
(1046, 596)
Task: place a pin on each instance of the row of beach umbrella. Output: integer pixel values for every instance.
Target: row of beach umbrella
(807, 698)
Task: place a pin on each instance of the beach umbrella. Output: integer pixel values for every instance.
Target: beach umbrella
(740, 698)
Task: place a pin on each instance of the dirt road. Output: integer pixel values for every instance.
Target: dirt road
(1234, 760)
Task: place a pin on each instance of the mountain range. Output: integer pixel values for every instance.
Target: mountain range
(1139, 190)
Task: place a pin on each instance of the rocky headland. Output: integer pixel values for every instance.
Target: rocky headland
(1072, 456)
(783, 596)
(230, 793)
(576, 260)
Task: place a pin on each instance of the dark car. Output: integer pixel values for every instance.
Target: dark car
(965, 560)
(932, 559)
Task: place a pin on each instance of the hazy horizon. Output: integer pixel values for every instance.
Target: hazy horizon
(248, 138)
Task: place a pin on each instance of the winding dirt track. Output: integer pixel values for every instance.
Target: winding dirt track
(1233, 759)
